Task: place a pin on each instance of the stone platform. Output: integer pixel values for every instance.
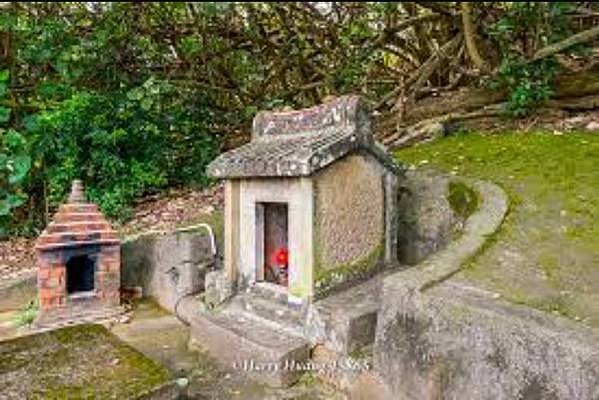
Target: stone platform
(264, 351)
(272, 341)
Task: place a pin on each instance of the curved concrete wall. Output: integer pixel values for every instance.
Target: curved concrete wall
(438, 339)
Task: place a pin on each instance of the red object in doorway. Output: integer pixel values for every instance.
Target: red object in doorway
(282, 257)
(278, 267)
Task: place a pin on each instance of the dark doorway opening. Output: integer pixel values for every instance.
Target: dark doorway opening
(80, 274)
(276, 257)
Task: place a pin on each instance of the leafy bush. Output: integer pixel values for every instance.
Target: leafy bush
(123, 145)
(524, 28)
(528, 84)
(15, 161)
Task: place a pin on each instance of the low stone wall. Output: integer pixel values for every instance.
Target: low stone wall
(426, 222)
(167, 265)
(437, 339)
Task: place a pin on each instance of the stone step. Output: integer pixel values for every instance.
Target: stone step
(248, 345)
(269, 291)
(346, 322)
(272, 313)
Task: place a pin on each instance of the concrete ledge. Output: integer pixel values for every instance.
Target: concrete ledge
(167, 391)
(18, 292)
(346, 321)
(168, 265)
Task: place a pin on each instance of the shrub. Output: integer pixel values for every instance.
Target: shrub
(124, 144)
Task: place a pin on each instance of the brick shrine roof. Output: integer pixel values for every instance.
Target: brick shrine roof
(302, 142)
(77, 223)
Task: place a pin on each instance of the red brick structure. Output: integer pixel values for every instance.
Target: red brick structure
(79, 266)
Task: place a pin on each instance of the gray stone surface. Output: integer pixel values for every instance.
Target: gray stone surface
(493, 206)
(426, 222)
(246, 344)
(218, 288)
(449, 343)
(349, 211)
(436, 339)
(345, 321)
(17, 293)
(166, 265)
(299, 143)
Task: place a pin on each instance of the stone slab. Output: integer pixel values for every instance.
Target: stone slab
(346, 321)
(242, 343)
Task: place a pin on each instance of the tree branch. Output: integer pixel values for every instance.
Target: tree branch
(470, 37)
(554, 48)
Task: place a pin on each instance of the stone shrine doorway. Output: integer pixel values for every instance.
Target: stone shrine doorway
(276, 237)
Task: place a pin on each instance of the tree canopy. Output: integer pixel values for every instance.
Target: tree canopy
(136, 97)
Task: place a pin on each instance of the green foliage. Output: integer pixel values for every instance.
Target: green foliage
(27, 314)
(93, 105)
(15, 162)
(524, 28)
(551, 181)
(528, 84)
(122, 145)
(133, 97)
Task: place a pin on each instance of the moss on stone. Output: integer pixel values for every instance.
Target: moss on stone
(327, 278)
(84, 361)
(27, 314)
(462, 199)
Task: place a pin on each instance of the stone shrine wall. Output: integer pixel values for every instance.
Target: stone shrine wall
(349, 214)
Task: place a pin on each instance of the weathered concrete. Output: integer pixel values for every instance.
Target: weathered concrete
(247, 344)
(232, 233)
(493, 206)
(446, 344)
(164, 338)
(167, 265)
(346, 321)
(337, 183)
(349, 211)
(438, 340)
(297, 193)
(17, 293)
(218, 288)
(299, 143)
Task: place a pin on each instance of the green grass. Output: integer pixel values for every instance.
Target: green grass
(27, 314)
(546, 253)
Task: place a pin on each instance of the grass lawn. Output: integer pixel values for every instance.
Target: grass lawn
(546, 254)
(79, 362)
